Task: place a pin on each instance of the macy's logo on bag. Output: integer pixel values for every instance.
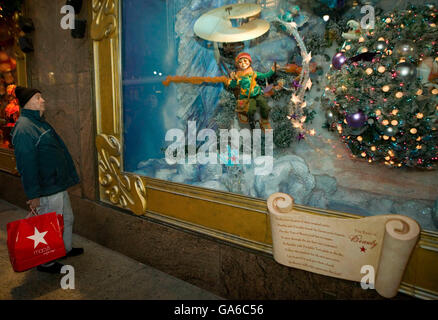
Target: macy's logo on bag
(47, 250)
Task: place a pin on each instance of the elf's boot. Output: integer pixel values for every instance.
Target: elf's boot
(264, 124)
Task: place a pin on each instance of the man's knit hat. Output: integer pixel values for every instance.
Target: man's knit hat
(24, 94)
(243, 55)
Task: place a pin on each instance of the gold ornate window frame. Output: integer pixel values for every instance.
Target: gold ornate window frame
(228, 217)
(7, 157)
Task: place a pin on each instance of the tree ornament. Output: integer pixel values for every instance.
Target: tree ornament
(380, 46)
(329, 116)
(390, 131)
(406, 71)
(356, 120)
(339, 60)
(405, 48)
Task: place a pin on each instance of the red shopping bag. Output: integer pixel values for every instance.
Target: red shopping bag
(35, 240)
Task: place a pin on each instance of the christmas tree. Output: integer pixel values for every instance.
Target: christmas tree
(382, 92)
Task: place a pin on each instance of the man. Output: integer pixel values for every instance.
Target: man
(45, 165)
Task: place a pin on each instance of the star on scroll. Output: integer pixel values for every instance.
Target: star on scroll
(307, 57)
(362, 249)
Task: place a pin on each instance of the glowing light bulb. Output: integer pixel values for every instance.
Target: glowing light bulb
(394, 112)
(359, 138)
(420, 115)
(373, 148)
(394, 122)
(385, 137)
(399, 95)
(363, 154)
(419, 92)
(326, 17)
(385, 122)
(413, 130)
(369, 71)
(381, 69)
(385, 88)
(378, 112)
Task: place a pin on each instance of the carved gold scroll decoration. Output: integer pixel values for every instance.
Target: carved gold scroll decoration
(124, 190)
(104, 19)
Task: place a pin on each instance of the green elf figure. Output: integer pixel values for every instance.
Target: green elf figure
(251, 95)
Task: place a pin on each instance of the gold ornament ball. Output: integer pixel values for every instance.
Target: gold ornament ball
(385, 88)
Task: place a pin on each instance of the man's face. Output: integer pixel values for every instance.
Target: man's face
(244, 63)
(36, 103)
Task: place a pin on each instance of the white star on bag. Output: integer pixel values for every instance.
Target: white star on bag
(38, 238)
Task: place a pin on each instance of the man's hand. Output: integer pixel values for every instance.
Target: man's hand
(34, 203)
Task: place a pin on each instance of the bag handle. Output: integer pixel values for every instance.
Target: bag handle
(32, 212)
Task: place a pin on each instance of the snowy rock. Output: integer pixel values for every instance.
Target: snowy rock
(165, 174)
(347, 208)
(380, 206)
(318, 200)
(291, 175)
(150, 167)
(199, 4)
(210, 172)
(326, 183)
(213, 184)
(188, 171)
(435, 215)
(418, 210)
